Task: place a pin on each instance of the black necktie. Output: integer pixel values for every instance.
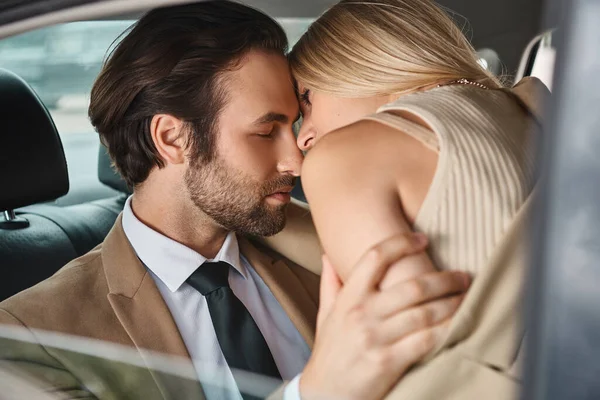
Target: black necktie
(242, 344)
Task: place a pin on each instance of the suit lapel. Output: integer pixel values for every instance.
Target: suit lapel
(287, 288)
(141, 309)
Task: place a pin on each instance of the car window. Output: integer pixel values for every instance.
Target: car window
(61, 63)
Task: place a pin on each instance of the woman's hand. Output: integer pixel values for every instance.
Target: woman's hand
(368, 337)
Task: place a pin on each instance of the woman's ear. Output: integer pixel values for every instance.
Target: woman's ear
(168, 135)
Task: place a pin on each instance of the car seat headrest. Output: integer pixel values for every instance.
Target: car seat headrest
(33, 168)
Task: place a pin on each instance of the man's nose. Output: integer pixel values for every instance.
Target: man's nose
(306, 137)
(292, 157)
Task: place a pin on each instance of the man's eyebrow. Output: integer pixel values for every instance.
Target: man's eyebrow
(272, 117)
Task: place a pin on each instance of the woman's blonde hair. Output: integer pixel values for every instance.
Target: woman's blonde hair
(362, 48)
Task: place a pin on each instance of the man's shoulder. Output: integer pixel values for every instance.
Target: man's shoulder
(63, 297)
(300, 271)
(307, 277)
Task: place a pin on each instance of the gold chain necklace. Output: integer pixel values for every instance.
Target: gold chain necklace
(465, 81)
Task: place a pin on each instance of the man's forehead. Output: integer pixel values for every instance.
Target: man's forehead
(262, 84)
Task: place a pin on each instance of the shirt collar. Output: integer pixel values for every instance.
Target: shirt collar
(171, 261)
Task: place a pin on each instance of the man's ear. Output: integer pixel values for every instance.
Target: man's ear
(168, 135)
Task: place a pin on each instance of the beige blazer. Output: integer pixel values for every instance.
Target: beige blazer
(108, 295)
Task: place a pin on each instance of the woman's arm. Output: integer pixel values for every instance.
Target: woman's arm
(355, 180)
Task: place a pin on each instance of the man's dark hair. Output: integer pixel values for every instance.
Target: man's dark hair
(171, 62)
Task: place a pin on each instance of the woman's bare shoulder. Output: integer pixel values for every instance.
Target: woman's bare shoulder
(351, 181)
(360, 148)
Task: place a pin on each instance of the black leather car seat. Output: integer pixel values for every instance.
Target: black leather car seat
(87, 224)
(38, 238)
(32, 170)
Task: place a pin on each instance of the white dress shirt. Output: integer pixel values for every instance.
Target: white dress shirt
(170, 264)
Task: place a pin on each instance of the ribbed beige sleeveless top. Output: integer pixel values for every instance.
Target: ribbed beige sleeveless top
(485, 168)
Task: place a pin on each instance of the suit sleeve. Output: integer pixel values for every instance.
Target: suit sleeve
(21, 354)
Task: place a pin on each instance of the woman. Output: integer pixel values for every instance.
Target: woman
(407, 131)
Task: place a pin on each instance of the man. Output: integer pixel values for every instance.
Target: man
(196, 107)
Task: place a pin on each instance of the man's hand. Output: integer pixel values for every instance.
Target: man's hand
(368, 337)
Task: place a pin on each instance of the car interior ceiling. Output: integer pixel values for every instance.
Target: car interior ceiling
(39, 236)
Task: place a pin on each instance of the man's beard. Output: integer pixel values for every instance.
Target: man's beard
(234, 200)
